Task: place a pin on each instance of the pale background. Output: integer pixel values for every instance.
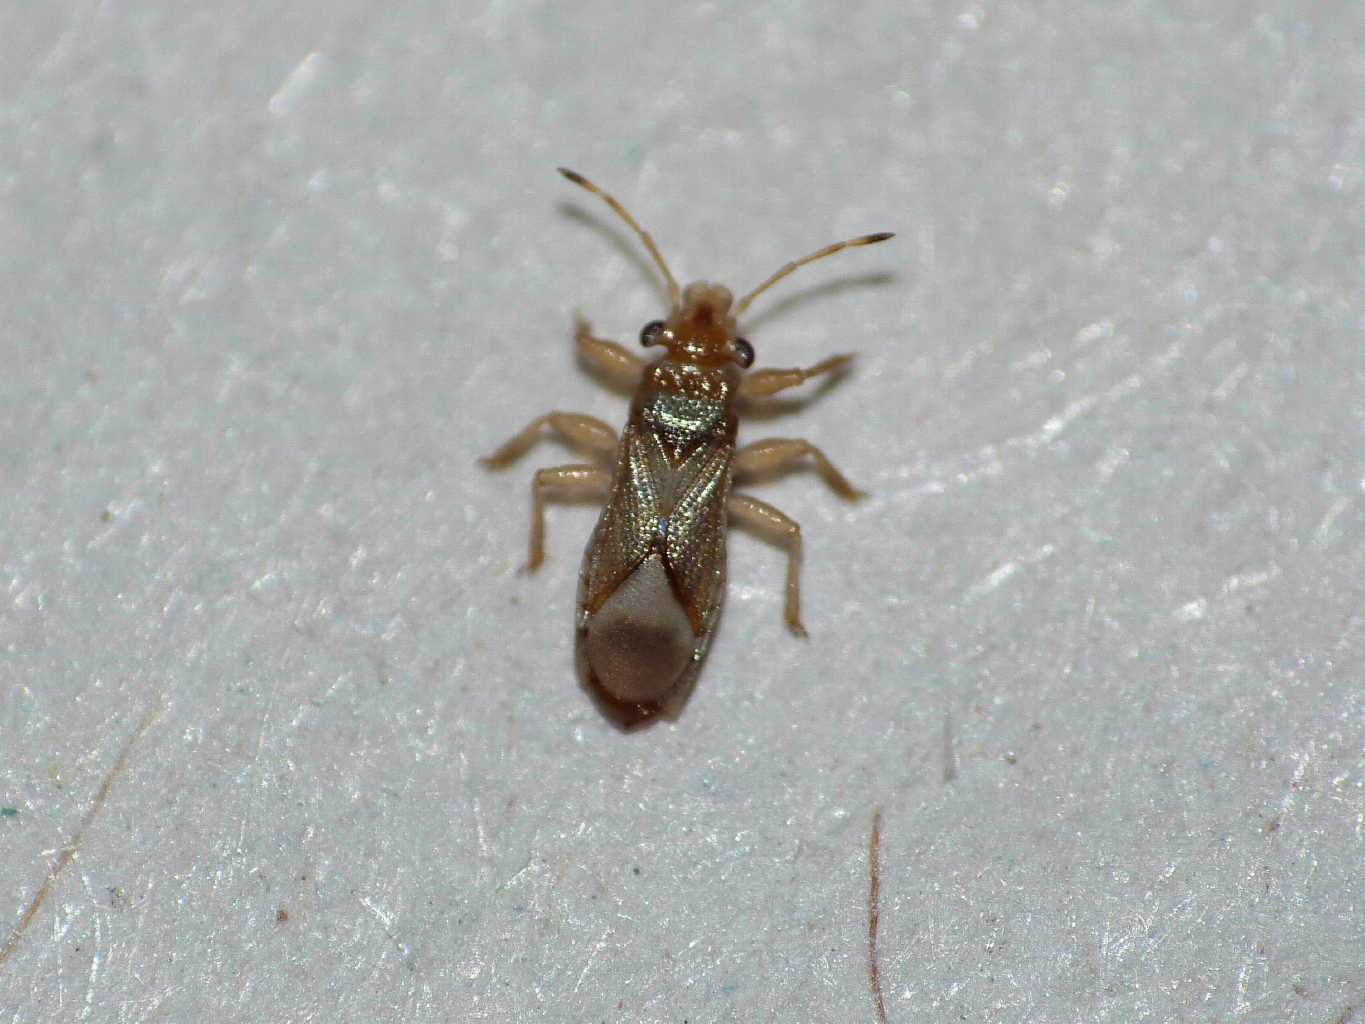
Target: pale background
(273, 274)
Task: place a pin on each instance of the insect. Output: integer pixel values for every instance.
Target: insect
(653, 575)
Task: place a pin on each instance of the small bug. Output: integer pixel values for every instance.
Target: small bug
(653, 576)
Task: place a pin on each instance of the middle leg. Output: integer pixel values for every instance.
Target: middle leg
(582, 431)
(774, 454)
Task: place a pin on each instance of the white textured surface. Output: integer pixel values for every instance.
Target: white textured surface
(274, 274)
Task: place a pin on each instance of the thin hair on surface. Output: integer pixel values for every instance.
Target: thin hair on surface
(68, 851)
(874, 870)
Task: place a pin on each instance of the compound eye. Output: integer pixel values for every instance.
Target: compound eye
(746, 353)
(649, 333)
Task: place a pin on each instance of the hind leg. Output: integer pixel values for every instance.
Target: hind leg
(561, 483)
(776, 528)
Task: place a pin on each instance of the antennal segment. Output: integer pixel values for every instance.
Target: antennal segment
(674, 292)
(828, 250)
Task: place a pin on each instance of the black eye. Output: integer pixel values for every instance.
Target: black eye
(746, 353)
(650, 332)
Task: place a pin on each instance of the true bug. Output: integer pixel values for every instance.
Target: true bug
(653, 576)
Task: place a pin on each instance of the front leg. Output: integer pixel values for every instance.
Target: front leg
(762, 383)
(776, 528)
(774, 454)
(563, 483)
(622, 367)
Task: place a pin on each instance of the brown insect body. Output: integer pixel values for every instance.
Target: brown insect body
(653, 576)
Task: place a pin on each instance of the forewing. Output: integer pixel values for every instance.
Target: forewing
(628, 525)
(695, 543)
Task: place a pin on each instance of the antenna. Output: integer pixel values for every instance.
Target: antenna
(674, 293)
(828, 250)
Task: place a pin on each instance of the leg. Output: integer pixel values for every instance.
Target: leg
(581, 431)
(776, 453)
(762, 383)
(625, 368)
(561, 482)
(773, 526)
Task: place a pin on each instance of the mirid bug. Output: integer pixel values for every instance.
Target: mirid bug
(653, 576)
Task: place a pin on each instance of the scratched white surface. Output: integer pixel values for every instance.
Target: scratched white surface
(272, 275)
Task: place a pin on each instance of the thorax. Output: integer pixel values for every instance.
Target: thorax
(685, 405)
